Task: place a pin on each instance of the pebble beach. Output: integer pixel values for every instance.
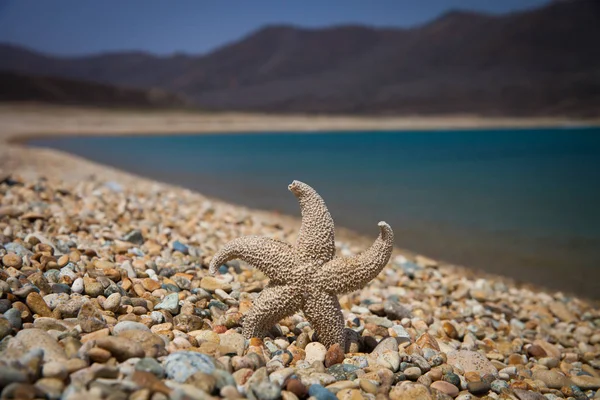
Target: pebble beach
(105, 294)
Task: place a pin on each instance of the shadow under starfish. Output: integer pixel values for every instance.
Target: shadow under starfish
(306, 276)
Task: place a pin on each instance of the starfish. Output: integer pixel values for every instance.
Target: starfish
(306, 276)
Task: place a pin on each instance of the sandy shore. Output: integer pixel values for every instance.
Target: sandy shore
(20, 122)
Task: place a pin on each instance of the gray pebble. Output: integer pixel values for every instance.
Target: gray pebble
(498, 386)
(181, 365)
(170, 303)
(14, 317)
(129, 326)
(264, 390)
(150, 365)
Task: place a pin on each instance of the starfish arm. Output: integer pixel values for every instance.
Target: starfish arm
(274, 303)
(316, 239)
(323, 312)
(345, 274)
(270, 256)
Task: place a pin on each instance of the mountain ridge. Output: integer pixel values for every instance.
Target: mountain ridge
(536, 62)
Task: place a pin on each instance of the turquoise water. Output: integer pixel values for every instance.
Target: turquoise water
(523, 202)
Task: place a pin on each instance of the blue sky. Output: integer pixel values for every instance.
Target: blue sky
(71, 27)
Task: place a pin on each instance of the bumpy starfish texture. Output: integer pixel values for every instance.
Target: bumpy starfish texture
(306, 276)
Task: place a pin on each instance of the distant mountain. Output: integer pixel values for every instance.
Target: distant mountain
(17, 87)
(540, 62)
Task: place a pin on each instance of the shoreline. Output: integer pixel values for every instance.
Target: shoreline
(15, 155)
(24, 122)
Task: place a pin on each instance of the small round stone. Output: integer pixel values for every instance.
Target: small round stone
(335, 355)
(320, 393)
(12, 260)
(181, 365)
(150, 365)
(499, 385)
(5, 328)
(315, 351)
(296, 387)
(412, 373)
(96, 354)
(54, 369)
(478, 387)
(446, 388)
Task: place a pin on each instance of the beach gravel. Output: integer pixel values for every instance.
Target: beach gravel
(105, 293)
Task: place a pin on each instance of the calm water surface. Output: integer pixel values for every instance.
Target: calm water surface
(524, 203)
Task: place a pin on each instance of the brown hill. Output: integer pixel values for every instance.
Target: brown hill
(16, 87)
(539, 62)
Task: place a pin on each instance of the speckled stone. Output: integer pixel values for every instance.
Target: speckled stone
(471, 361)
(181, 365)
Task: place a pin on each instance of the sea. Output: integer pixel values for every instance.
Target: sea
(523, 203)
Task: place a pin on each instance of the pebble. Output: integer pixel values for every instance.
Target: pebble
(389, 360)
(37, 305)
(412, 373)
(387, 344)
(96, 354)
(396, 311)
(560, 310)
(471, 361)
(121, 348)
(552, 379)
(264, 390)
(528, 395)
(170, 303)
(182, 248)
(9, 374)
(349, 394)
(400, 334)
(129, 326)
(55, 369)
(135, 237)
(18, 249)
(334, 355)
(315, 351)
(233, 340)
(21, 391)
(5, 328)
(320, 393)
(498, 386)
(153, 345)
(181, 365)
(77, 286)
(368, 386)
(410, 391)
(90, 319)
(280, 376)
(586, 382)
(478, 388)
(112, 303)
(51, 387)
(12, 260)
(30, 339)
(446, 388)
(452, 378)
(202, 381)
(296, 387)
(92, 287)
(211, 284)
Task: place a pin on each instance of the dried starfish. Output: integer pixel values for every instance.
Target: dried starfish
(306, 276)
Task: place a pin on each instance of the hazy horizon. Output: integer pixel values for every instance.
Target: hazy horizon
(74, 28)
